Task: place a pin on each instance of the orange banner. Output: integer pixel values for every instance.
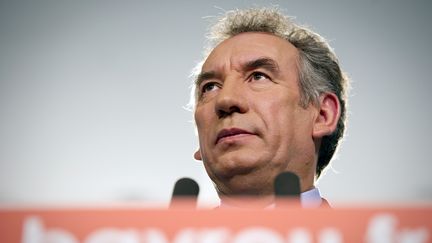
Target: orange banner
(91, 225)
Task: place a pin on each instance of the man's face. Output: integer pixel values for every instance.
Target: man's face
(250, 123)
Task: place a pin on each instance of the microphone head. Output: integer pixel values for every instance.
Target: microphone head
(287, 184)
(185, 187)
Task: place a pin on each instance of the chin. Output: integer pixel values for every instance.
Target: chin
(230, 169)
(247, 185)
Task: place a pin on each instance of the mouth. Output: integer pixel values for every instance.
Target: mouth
(227, 133)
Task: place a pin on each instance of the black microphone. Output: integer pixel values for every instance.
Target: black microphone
(287, 186)
(185, 188)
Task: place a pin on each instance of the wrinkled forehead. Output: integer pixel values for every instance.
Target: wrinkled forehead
(237, 50)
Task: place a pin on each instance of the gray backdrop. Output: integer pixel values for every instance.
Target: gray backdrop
(92, 96)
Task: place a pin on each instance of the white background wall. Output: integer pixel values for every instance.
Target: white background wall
(92, 96)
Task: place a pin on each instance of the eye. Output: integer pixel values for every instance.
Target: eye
(259, 76)
(207, 87)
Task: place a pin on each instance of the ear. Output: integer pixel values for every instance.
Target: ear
(197, 155)
(329, 112)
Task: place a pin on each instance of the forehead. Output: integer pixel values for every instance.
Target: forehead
(248, 46)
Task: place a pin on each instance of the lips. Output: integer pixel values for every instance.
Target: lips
(230, 132)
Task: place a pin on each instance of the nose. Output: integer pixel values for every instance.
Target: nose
(231, 99)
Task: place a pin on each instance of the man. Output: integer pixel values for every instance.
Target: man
(269, 97)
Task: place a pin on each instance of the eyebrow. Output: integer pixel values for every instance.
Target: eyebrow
(263, 62)
(205, 76)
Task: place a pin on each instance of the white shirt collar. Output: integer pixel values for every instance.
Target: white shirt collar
(311, 198)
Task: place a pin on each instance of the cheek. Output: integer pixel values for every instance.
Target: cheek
(278, 115)
(200, 119)
(203, 121)
(281, 127)
(284, 123)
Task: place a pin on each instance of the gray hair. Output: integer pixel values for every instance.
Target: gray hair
(319, 70)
